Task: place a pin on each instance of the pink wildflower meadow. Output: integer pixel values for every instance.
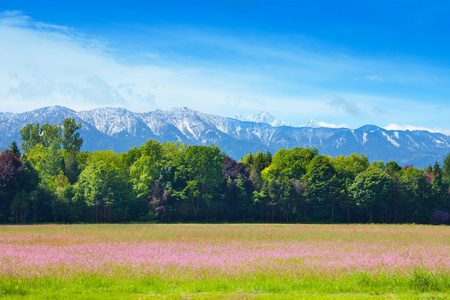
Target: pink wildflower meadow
(25, 255)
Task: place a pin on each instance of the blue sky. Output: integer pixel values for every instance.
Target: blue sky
(339, 62)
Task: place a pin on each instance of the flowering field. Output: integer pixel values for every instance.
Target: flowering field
(231, 261)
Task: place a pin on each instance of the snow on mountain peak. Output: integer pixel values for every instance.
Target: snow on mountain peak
(393, 126)
(262, 117)
(314, 124)
(181, 109)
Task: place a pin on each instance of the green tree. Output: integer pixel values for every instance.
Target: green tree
(143, 173)
(82, 159)
(34, 134)
(52, 163)
(145, 170)
(20, 206)
(237, 191)
(71, 167)
(243, 197)
(288, 199)
(259, 161)
(31, 136)
(274, 193)
(322, 183)
(378, 164)
(248, 160)
(372, 190)
(105, 190)
(71, 140)
(131, 156)
(109, 157)
(200, 170)
(51, 134)
(416, 193)
(61, 200)
(259, 201)
(350, 166)
(290, 164)
(392, 168)
(172, 150)
(255, 178)
(15, 149)
(347, 168)
(446, 166)
(43, 144)
(439, 189)
(64, 135)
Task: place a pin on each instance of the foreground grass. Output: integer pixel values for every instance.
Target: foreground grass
(420, 285)
(268, 277)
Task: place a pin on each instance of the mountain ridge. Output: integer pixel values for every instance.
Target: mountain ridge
(262, 117)
(120, 129)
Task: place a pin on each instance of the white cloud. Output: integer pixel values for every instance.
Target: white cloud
(348, 106)
(374, 78)
(378, 110)
(152, 55)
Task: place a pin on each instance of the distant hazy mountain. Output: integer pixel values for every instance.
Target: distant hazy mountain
(120, 129)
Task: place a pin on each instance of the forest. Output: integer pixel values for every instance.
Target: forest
(53, 181)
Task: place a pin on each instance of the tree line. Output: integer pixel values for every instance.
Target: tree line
(54, 181)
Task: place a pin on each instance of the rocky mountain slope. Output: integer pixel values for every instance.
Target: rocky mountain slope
(120, 129)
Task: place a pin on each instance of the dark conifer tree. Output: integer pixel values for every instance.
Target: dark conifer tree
(15, 149)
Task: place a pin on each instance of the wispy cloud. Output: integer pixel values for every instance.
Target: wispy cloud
(152, 55)
(374, 78)
(377, 110)
(348, 106)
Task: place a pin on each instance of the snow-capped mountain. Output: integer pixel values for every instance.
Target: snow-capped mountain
(314, 124)
(262, 117)
(120, 129)
(413, 128)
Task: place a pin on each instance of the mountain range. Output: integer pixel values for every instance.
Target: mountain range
(120, 129)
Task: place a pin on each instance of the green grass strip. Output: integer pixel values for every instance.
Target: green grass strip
(418, 285)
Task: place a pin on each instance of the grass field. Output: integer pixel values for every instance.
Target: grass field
(225, 261)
